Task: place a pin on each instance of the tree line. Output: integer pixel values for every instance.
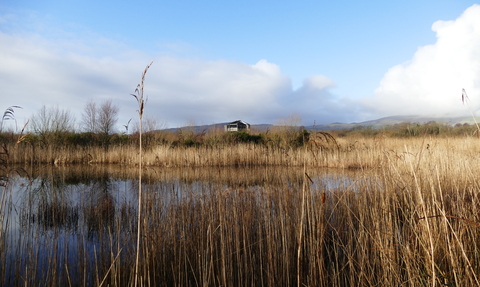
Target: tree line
(54, 126)
(96, 118)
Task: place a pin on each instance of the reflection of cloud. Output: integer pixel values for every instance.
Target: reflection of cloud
(431, 83)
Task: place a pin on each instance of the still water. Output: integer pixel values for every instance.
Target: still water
(59, 220)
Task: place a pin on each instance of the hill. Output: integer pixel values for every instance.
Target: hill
(339, 126)
(395, 120)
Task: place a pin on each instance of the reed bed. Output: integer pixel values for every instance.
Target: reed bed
(409, 217)
(353, 153)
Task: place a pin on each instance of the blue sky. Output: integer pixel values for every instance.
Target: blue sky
(260, 61)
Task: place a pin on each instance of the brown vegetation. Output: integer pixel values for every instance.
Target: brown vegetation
(409, 217)
(348, 149)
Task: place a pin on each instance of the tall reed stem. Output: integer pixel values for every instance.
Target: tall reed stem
(465, 100)
(302, 216)
(141, 103)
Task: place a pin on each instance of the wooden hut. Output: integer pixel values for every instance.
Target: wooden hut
(237, 126)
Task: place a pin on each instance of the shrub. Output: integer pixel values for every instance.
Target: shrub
(302, 138)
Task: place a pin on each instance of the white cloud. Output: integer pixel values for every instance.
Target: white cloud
(431, 82)
(55, 67)
(318, 82)
(213, 91)
(315, 102)
(37, 71)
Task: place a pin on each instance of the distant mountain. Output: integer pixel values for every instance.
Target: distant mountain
(220, 126)
(339, 126)
(394, 120)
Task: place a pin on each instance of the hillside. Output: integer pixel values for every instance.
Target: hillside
(395, 120)
(339, 126)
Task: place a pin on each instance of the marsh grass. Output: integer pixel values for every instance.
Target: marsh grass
(409, 216)
(242, 154)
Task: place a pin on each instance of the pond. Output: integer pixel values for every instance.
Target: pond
(75, 225)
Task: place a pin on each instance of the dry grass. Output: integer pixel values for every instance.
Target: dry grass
(409, 218)
(355, 153)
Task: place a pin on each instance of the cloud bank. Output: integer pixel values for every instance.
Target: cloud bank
(68, 70)
(67, 73)
(431, 82)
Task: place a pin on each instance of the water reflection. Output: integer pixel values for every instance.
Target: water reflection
(95, 198)
(58, 213)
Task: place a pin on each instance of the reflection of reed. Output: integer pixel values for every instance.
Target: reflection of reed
(414, 221)
(229, 176)
(46, 203)
(56, 214)
(99, 213)
(54, 206)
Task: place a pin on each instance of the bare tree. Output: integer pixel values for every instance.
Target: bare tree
(90, 117)
(151, 127)
(288, 127)
(99, 119)
(292, 121)
(53, 120)
(149, 124)
(107, 117)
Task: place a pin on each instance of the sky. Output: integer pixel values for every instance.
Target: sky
(258, 61)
